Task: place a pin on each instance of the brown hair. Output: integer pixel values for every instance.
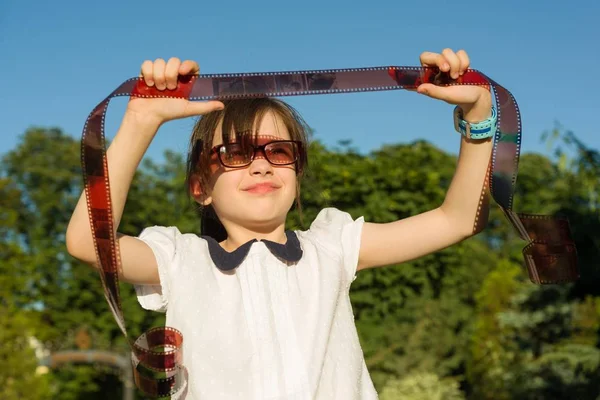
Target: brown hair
(240, 117)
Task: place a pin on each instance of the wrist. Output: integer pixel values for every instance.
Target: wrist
(478, 120)
(478, 111)
(144, 123)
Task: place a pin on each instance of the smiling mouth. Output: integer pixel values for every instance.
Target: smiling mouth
(261, 188)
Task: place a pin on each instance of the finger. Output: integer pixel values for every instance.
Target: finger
(189, 67)
(454, 62)
(146, 72)
(465, 62)
(159, 74)
(201, 108)
(429, 59)
(172, 72)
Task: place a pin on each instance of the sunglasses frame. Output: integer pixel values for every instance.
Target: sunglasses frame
(298, 153)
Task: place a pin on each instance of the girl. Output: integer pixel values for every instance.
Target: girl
(265, 313)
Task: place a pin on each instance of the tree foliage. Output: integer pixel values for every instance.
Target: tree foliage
(461, 323)
(421, 386)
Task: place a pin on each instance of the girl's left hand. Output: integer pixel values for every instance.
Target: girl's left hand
(476, 101)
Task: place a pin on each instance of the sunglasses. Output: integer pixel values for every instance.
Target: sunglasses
(239, 155)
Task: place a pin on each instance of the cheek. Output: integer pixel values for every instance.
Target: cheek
(288, 176)
(224, 183)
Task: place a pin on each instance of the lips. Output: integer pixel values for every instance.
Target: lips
(261, 188)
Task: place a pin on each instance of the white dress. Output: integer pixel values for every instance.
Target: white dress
(269, 328)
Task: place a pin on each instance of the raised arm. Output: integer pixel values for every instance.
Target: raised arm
(140, 123)
(464, 211)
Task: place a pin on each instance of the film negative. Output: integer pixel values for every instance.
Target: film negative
(550, 254)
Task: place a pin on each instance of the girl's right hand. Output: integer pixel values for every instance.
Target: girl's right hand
(164, 75)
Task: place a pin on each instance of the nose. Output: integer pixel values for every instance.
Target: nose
(260, 165)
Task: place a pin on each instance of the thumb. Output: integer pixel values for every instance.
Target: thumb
(434, 91)
(202, 107)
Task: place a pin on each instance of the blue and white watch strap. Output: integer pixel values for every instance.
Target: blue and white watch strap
(479, 130)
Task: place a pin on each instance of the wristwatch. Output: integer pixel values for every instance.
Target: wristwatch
(479, 130)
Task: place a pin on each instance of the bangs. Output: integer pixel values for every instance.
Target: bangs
(240, 124)
(241, 121)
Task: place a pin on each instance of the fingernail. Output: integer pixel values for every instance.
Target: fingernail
(446, 66)
(150, 83)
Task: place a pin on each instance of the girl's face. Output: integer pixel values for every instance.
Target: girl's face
(258, 196)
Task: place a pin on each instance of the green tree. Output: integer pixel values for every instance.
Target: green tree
(42, 180)
(466, 315)
(18, 378)
(421, 386)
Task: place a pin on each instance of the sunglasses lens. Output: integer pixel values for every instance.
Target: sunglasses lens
(281, 153)
(235, 155)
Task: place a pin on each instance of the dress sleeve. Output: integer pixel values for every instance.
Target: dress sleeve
(164, 242)
(341, 234)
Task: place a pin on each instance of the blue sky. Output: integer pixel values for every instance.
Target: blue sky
(61, 58)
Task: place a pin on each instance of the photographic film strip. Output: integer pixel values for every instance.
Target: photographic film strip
(549, 251)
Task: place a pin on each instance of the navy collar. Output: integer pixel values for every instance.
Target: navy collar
(226, 261)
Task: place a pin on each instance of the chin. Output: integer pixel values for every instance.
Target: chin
(258, 213)
(263, 217)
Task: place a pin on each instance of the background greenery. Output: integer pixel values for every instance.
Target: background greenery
(464, 323)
